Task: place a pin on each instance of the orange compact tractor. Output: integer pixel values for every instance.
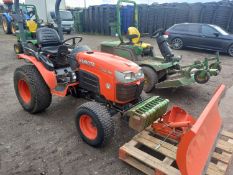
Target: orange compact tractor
(113, 84)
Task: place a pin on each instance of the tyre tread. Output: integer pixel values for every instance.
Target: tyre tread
(105, 118)
(42, 93)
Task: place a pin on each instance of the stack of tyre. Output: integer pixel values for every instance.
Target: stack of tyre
(102, 19)
(142, 18)
(223, 16)
(195, 14)
(209, 11)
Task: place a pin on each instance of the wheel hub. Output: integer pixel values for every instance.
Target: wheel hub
(16, 49)
(4, 25)
(24, 91)
(87, 127)
(13, 29)
(177, 43)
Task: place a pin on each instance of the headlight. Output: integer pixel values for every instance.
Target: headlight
(128, 76)
(140, 74)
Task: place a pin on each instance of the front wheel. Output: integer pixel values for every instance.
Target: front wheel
(18, 48)
(94, 124)
(31, 90)
(151, 78)
(177, 44)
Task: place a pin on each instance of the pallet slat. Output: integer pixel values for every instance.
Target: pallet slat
(154, 143)
(224, 157)
(149, 160)
(226, 146)
(150, 164)
(227, 134)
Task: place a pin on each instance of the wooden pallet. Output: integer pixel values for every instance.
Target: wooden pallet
(146, 153)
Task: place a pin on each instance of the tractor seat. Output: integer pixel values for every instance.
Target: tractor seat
(32, 26)
(50, 44)
(51, 50)
(48, 40)
(134, 36)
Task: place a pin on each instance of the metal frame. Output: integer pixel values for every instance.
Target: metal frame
(118, 23)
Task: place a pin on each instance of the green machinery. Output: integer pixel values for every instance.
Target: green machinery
(26, 16)
(160, 72)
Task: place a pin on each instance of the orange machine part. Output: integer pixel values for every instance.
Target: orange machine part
(48, 76)
(197, 144)
(174, 124)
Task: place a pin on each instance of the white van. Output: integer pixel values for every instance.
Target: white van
(67, 20)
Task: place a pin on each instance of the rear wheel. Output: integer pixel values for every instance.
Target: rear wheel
(6, 25)
(31, 90)
(94, 124)
(230, 50)
(151, 78)
(177, 44)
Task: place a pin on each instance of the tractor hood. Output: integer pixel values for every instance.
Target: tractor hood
(108, 62)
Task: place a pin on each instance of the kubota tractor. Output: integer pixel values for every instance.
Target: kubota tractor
(111, 83)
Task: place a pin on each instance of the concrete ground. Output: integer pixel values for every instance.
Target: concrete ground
(48, 143)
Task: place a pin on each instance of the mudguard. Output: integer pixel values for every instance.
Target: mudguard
(48, 76)
(197, 144)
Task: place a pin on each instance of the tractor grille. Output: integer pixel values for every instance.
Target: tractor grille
(126, 93)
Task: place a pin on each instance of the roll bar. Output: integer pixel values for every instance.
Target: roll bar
(58, 19)
(19, 19)
(119, 16)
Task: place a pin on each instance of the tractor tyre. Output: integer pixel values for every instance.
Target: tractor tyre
(13, 28)
(94, 124)
(6, 25)
(151, 78)
(31, 90)
(18, 48)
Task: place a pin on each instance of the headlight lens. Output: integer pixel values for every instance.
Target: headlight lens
(140, 74)
(128, 76)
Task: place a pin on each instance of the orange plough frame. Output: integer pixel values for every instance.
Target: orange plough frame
(197, 144)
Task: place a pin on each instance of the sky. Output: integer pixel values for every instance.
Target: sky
(80, 3)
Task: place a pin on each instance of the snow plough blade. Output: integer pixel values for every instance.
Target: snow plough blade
(197, 144)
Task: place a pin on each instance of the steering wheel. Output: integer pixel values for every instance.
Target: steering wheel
(31, 13)
(157, 33)
(74, 43)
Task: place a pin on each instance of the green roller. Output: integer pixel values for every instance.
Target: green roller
(144, 114)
